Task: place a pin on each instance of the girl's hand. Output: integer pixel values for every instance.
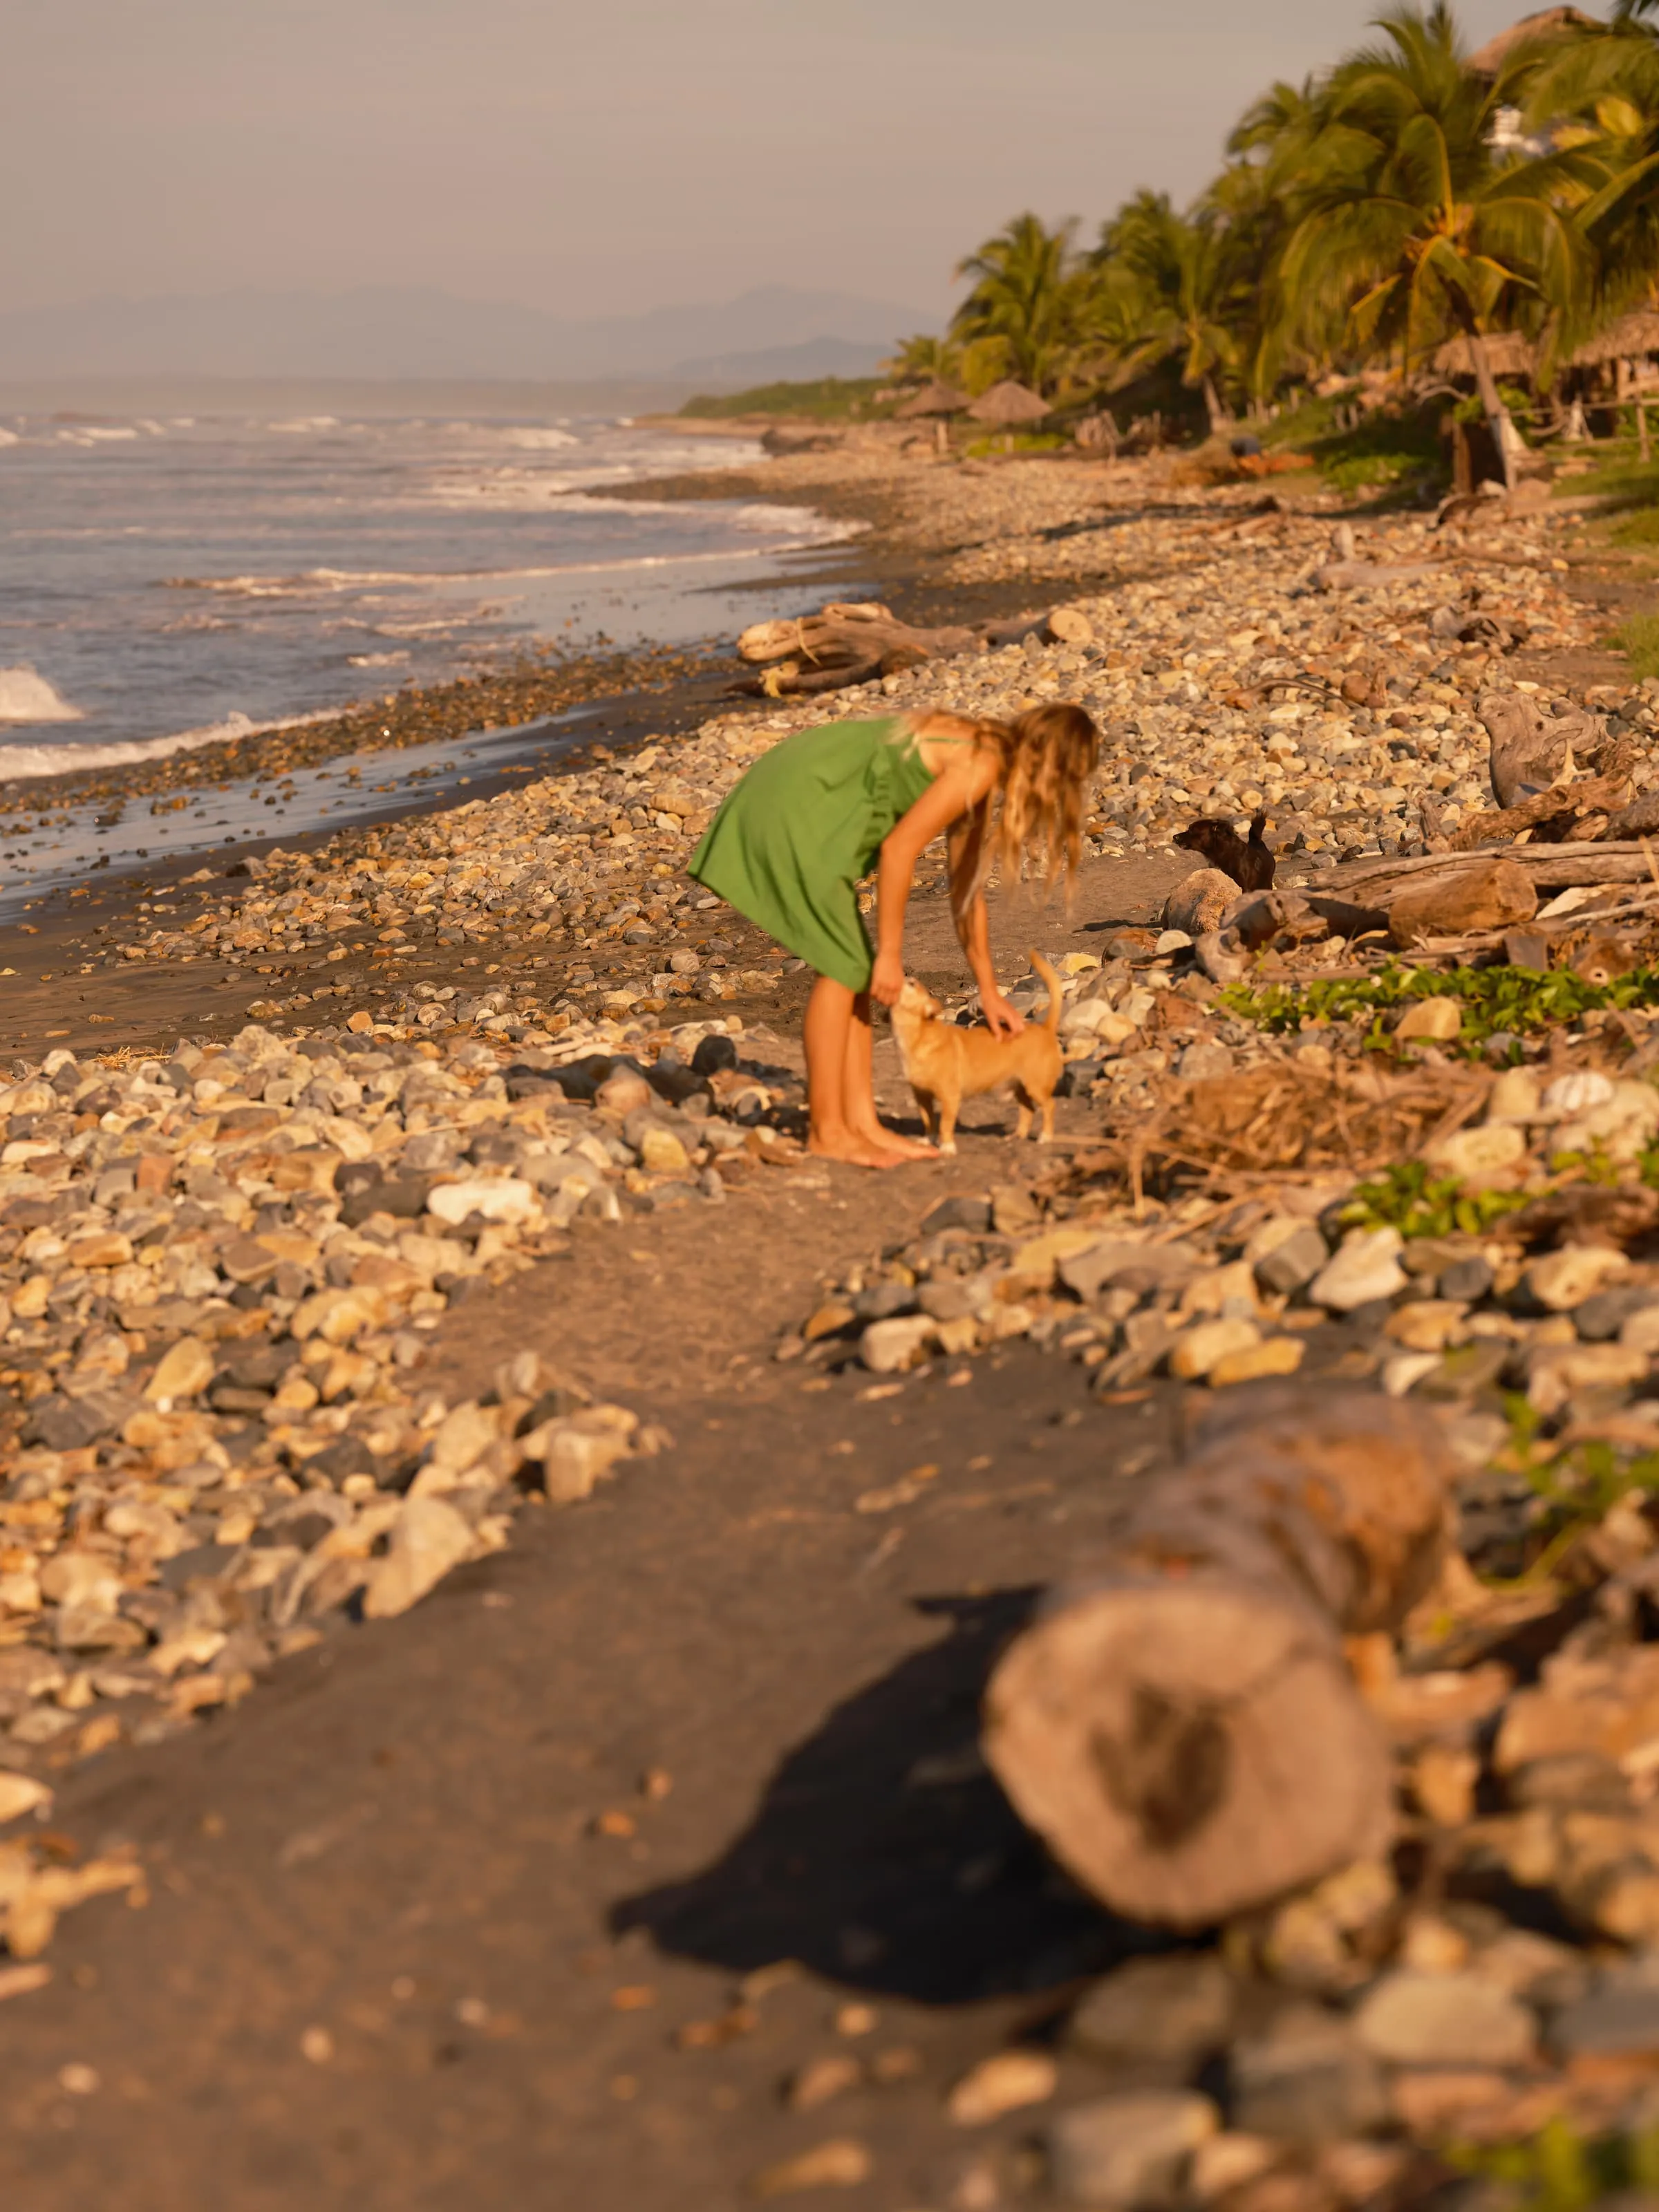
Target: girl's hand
(887, 979)
(1000, 1018)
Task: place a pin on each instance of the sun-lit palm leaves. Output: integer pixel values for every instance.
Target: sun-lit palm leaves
(1410, 224)
(1027, 312)
(1364, 216)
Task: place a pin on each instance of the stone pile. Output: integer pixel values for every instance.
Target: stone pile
(217, 1273)
(1500, 1969)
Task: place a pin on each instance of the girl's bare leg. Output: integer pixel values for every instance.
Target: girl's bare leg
(860, 1094)
(837, 1043)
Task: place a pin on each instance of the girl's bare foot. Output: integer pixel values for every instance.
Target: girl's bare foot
(896, 1147)
(844, 1145)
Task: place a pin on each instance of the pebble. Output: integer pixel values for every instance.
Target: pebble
(1006, 2083)
(1366, 1267)
(1179, 2009)
(1130, 2151)
(842, 2162)
(1413, 2019)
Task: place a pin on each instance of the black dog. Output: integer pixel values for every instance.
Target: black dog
(1250, 866)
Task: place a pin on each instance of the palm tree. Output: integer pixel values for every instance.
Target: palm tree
(1169, 278)
(922, 358)
(1029, 297)
(1410, 225)
(1597, 93)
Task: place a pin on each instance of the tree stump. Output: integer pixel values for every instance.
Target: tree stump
(1182, 1729)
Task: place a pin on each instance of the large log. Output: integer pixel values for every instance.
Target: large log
(1551, 868)
(1182, 1728)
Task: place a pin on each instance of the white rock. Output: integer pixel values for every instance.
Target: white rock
(888, 1346)
(1574, 1094)
(1367, 1267)
(1127, 2151)
(427, 1539)
(500, 1199)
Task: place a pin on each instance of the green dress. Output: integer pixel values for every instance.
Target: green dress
(803, 827)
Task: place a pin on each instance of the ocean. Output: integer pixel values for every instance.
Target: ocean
(167, 579)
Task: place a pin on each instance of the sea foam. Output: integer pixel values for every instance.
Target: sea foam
(27, 761)
(26, 696)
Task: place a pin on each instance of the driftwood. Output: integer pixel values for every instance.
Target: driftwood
(1354, 575)
(854, 641)
(1566, 814)
(1551, 868)
(1491, 895)
(1182, 1729)
(1533, 753)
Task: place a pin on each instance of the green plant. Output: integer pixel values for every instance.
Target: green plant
(1516, 1001)
(1410, 1197)
(1016, 441)
(830, 398)
(1638, 637)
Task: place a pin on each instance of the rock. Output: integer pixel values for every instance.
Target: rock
(624, 1091)
(1480, 1158)
(1177, 2010)
(1005, 2083)
(184, 1370)
(842, 2163)
(1103, 1261)
(1622, 1125)
(662, 1154)
(20, 1793)
(1411, 2019)
(1619, 2017)
(1199, 901)
(1130, 2151)
(1561, 1280)
(1429, 1021)
(1289, 1265)
(1515, 1097)
(1484, 895)
(1365, 1267)
(1275, 1355)
(1577, 1093)
(577, 1449)
(1204, 1063)
(427, 1539)
(888, 1347)
(1306, 2076)
(506, 1198)
(82, 1581)
(973, 1214)
(1196, 1350)
(1608, 1704)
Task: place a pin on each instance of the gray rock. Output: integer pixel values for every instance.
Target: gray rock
(1619, 2018)
(1294, 1262)
(1470, 1278)
(1204, 1063)
(973, 1214)
(883, 1300)
(1089, 1273)
(1604, 1313)
(949, 1298)
(1412, 2018)
(1176, 2009)
(1308, 2077)
(1131, 2151)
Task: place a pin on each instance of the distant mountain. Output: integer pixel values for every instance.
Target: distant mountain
(792, 364)
(408, 332)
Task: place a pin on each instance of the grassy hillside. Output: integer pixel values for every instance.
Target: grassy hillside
(829, 398)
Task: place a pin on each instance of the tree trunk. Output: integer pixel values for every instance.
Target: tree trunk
(1183, 1730)
(1505, 436)
(1219, 418)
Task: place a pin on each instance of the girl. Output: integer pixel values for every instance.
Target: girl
(812, 817)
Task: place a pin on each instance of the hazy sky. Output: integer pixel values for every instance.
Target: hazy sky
(607, 156)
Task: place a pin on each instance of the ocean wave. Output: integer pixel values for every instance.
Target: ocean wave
(297, 424)
(28, 761)
(26, 696)
(97, 433)
(541, 440)
(9, 437)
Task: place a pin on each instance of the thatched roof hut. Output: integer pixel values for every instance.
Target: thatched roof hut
(1548, 23)
(1007, 404)
(1628, 339)
(1508, 353)
(934, 399)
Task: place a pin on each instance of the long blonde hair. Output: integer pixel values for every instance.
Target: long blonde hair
(1047, 755)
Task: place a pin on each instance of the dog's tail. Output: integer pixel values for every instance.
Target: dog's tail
(1052, 980)
(1258, 823)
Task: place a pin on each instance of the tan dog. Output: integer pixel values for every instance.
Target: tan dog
(945, 1064)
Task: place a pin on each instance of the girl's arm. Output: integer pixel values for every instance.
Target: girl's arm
(954, 801)
(973, 928)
